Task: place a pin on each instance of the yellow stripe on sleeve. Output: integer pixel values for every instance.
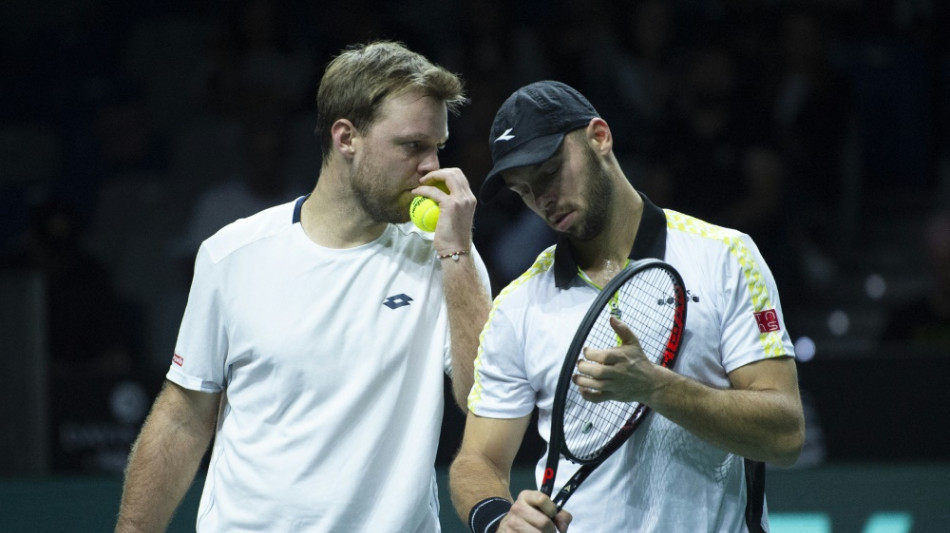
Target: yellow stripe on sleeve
(542, 264)
(758, 291)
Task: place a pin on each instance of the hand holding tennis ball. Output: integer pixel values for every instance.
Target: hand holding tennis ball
(424, 212)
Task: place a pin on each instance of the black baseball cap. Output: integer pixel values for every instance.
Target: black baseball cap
(530, 126)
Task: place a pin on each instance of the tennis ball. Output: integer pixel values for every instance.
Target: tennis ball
(424, 213)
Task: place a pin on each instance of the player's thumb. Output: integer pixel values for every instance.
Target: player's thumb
(624, 333)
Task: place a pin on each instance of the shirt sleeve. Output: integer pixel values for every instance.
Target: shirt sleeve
(753, 327)
(502, 388)
(202, 346)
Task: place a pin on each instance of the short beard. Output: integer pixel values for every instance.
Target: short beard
(597, 199)
(374, 200)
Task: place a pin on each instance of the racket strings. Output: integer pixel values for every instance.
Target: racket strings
(646, 303)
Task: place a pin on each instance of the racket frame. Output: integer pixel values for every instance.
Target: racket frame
(556, 444)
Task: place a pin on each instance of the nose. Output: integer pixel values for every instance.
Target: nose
(543, 198)
(545, 205)
(430, 162)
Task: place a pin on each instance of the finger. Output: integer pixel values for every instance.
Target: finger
(595, 395)
(434, 189)
(522, 518)
(603, 358)
(624, 332)
(449, 180)
(562, 520)
(535, 509)
(591, 390)
(595, 355)
(538, 500)
(593, 369)
(587, 382)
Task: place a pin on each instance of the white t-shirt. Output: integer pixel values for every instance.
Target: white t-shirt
(330, 363)
(665, 478)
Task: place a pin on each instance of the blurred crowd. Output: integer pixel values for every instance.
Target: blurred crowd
(131, 132)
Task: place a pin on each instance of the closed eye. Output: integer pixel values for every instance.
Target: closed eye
(520, 190)
(545, 178)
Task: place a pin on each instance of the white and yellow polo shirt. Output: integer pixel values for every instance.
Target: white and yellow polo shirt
(664, 478)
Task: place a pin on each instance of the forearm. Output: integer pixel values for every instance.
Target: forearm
(162, 466)
(468, 303)
(159, 473)
(482, 468)
(472, 479)
(759, 424)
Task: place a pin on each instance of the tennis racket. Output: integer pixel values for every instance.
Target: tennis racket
(650, 298)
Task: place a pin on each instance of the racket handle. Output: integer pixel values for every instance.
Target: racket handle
(571, 485)
(547, 482)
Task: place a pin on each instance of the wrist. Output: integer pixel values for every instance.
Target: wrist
(663, 390)
(487, 514)
(454, 255)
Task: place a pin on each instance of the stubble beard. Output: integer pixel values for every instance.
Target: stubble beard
(597, 198)
(375, 200)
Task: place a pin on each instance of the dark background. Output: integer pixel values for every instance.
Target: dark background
(130, 131)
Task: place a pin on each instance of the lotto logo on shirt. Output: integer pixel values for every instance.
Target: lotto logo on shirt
(178, 360)
(767, 320)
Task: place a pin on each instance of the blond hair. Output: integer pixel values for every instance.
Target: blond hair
(357, 82)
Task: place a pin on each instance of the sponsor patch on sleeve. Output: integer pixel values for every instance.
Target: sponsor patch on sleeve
(767, 320)
(179, 360)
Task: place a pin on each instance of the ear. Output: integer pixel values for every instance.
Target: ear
(599, 136)
(344, 135)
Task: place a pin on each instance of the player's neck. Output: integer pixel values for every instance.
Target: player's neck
(332, 217)
(604, 256)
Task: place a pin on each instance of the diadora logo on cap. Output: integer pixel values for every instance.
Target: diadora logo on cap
(505, 136)
(397, 301)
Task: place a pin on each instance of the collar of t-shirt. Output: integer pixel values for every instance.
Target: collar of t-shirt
(650, 242)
